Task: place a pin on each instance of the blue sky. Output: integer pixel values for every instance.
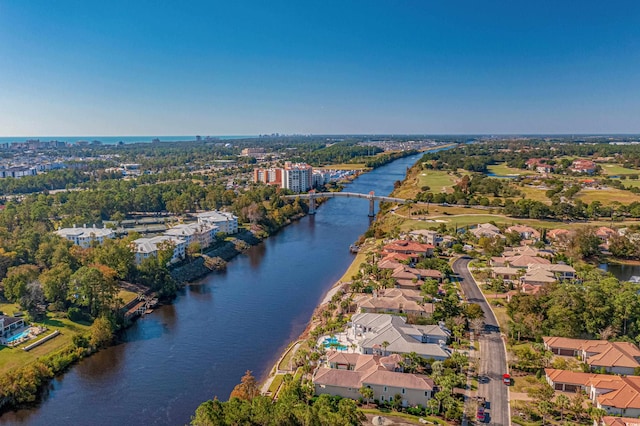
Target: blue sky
(250, 67)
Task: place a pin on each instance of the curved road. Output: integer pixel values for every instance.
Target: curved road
(493, 362)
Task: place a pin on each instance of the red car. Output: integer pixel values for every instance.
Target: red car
(506, 379)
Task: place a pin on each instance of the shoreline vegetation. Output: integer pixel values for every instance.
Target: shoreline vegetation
(458, 200)
(23, 386)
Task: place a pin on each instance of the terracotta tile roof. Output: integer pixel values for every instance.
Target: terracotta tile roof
(407, 246)
(568, 377)
(556, 233)
(624, 392)
(617, 354)
(335, 377)
(368, 369)
(564, 342)
(620, 421)
(388, 263)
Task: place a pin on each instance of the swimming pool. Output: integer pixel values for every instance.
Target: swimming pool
(332, 342)
(20, 335)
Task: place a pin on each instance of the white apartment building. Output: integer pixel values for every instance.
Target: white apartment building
(84, 236)
(226, 222)
(297, 177)
(146, 247)
(201, 233)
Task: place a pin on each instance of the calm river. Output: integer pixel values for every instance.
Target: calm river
(200, 346)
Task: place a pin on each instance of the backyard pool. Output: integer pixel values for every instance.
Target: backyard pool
(24, 333)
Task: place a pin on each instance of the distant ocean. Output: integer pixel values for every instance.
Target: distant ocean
(112, 140)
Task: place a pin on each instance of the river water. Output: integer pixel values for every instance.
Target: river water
(200, 346)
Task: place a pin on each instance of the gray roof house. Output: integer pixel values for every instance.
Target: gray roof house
(371, 331)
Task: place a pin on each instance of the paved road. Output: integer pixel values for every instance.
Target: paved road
(493, 363)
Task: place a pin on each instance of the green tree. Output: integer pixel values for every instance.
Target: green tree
(367, 393)
(15, 283)
(101, 332)
(55, 283)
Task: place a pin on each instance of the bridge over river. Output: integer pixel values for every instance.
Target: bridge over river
(312, 195)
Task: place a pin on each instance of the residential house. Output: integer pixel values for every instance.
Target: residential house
(538, 277)
(618, 421)
(564, 346)
(371, 331)
(518, 261)
(605, 233)
(486, 230)
(84, 236)
(617, 395)
(583, 166)
(539, 164)
(226, 222)
(612, 357)
(568, 381)
(525, 232)
(560, 271)
(428, 236)
(558, 234)
(9, 324)
(414, 249)
(395, 300)
(344, 374)
(506, 273)
(413, 278)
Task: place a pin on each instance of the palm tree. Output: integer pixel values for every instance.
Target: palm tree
(597, 414)
(385, 344)
(562, 402)
(366, 392)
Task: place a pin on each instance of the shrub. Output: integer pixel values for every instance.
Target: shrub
(75, 314)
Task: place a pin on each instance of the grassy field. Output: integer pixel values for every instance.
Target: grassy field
(462, 220)
(126, 296)
(12, 358)
(503, 170)
(608, 196)
(284, 363)
(437, 180)
(9, 308)
(275, 384)
(617, 169)
(534, 194)
(628, 183)
(355, 265)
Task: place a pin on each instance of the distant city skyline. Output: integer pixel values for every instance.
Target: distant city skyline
(377, 67)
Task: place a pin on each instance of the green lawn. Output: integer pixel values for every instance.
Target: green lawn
(608, 196)
(631, 183)
(12, 358)
(503, 170)
(437, 180)
(9, 308)
(126, 296)
(275, 384)
(617, 169)
(284, 363)
(534, 194)
(361, 257)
